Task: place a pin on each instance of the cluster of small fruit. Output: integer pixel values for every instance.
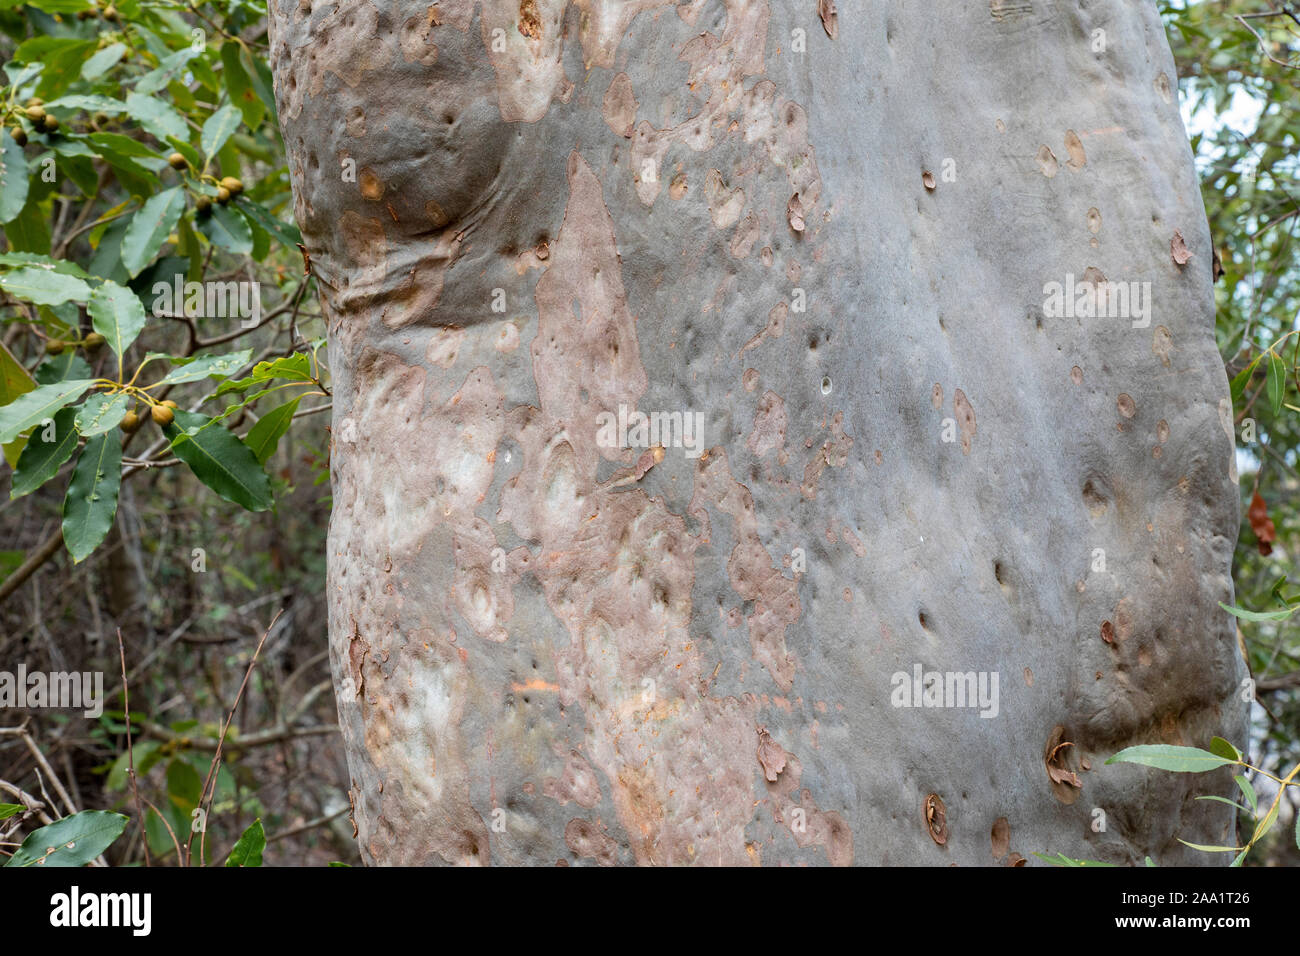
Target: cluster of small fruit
(227, 188)
(41, 121)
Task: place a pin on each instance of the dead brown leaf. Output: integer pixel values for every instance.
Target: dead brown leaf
(1178, 249)
(830, 18)
(936, 818)
(1261, 524)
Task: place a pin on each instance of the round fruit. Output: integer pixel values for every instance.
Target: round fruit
(93, 341)
(19, 135)
(130, 422)
(162, 415)
(170, 404)
(203, 204)
(223, 195)
(110, 12)
(51, 124)
(35, 101)
(36, 113)
(55, 346)
(234, 185)
(99, 119)
(177, 161)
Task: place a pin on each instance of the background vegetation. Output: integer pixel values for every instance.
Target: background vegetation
(201, 540)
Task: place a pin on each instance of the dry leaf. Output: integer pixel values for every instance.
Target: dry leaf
(936, 818)
(830, 18)
(1178, 249)
(1001, 837)
(1065, 782)
(927, 177)
(1261, 524)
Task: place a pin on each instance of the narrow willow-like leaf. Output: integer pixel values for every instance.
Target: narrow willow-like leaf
(1257, 615)
(1169, 757)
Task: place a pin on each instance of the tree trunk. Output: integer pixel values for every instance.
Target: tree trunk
(816, 252)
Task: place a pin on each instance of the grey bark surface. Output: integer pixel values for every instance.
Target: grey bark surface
(829, 233)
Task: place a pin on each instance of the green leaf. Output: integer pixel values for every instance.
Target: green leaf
(37, 405)
(1249, 791)
(248, 851)
(1217, 799)
(8, 810)
(41, 460)
(14, 381)
(1242, 379)
(156, 116)
(30, 232)
(63, 367)
(286, 233)
(239, 86)
(91, 503)
(1060, 859)
(44, 286)
(206, 366)
(72, 841)
(103, 61)
(167, 70)
(295, 368)
(266, 434)
(218, 128)
(91, 104)
(225, 227)
(150, 227)
(1211, 849)
(1258, 615)
(101, 412)
(117, 314)
(20, 74)
(1168, 757)
(13, 178)
(45, 262)
(220, 460)
(1223, 748)
(123, 145)
(1276, 381)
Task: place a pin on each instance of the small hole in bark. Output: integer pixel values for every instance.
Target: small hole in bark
(924, 619)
